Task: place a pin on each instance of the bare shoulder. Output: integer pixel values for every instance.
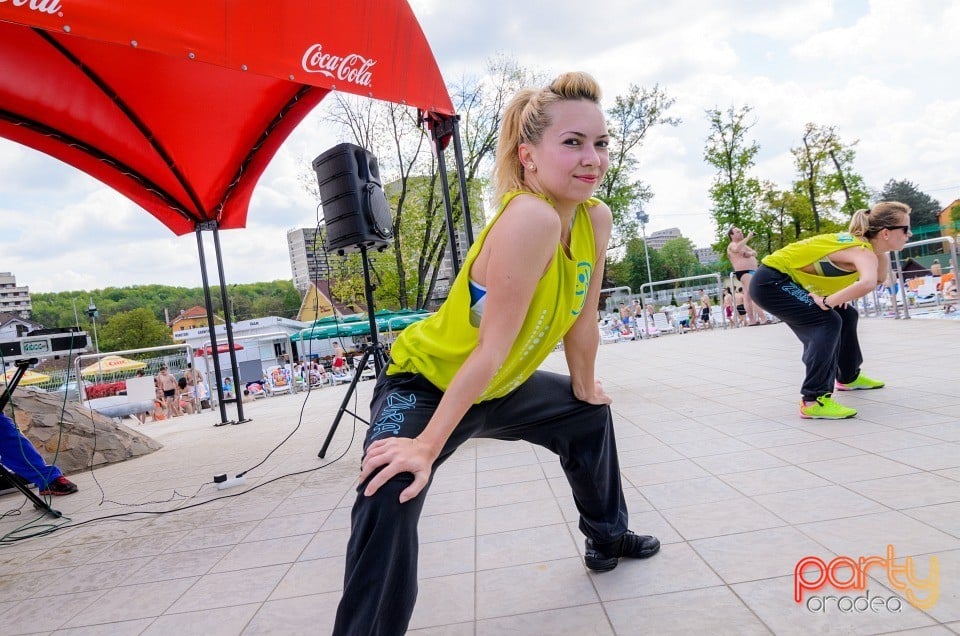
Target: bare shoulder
(527, 210)
(602, 220)
(600, 215)
(528, 223)
(853, 255)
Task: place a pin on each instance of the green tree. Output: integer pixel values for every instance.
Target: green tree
(678, 258)
(781, 218)
(826, 178)
(734, 192)
(133, 330)
(632, 269)
(629, 120)
(843, 179)
(57, 309)
(810, 158)
(925, 210)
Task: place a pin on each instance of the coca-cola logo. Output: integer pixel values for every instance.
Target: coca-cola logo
(43, 6)
(353, 68)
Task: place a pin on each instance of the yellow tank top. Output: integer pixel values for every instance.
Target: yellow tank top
(437, 346)
(791, 258)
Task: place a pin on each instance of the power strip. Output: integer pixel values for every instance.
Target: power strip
(223, 483)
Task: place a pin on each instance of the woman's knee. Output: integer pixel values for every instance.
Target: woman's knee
(386, 499)
(596, 418)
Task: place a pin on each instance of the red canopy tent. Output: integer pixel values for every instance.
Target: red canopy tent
(180, 105)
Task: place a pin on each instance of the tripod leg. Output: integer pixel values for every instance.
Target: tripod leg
(346, 400)
(38, 503)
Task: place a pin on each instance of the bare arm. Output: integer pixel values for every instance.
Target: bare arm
(746, 249)
(581, 342)
(740, 248)
(868, 266)
(516, 252)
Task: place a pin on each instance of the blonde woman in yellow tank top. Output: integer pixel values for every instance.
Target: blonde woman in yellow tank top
(810, 286)
(532, 279)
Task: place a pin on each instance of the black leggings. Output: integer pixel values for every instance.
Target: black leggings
(380, 582)
(831, 350)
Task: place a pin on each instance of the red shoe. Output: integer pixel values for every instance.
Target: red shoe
(58, 487)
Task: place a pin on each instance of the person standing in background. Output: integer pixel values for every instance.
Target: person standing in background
(811, 286)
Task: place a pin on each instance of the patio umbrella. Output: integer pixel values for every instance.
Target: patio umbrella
(386, 321)
(113, 364)
(29, 377)
(322, 332)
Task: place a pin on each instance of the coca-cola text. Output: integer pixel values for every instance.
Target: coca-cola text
(43, 6)
(353, 68)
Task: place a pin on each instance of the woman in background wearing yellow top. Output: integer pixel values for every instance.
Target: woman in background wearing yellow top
(810, 284)
(533, 278)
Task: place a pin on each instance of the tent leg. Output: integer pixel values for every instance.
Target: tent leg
(208, 301)
(462, 175)
(441, 129)
(447, 203)
(229, 327)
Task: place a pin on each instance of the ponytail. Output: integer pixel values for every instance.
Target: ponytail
(867, 223)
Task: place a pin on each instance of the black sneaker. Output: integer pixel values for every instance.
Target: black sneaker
(59, 486)
(604, 557)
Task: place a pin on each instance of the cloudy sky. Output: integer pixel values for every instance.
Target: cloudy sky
(882, 71)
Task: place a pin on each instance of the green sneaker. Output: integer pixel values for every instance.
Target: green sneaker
(861, 383)
(825, 409)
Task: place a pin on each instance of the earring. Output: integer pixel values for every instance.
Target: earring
(532, 168)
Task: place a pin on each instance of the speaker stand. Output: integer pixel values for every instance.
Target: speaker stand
(374, 349)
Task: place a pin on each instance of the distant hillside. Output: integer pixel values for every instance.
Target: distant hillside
(252, 300)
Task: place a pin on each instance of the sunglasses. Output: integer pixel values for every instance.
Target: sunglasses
(905, 228)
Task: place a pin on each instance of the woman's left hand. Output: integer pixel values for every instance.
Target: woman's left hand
(398, 455)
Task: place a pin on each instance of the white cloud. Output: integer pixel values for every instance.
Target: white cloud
(880, 71)
(891, 35)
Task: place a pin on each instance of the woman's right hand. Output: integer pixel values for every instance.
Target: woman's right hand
(395, 456)
(598, 396)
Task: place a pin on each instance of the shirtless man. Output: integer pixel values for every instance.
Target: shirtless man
(743, 258)
(705, 305)
(168, 385)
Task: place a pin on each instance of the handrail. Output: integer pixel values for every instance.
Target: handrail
(715, 276)
(81, 393)
(952, 245)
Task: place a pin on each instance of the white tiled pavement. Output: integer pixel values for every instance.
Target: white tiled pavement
(714, 458)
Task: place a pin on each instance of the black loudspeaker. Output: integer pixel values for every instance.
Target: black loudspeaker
(355, 210)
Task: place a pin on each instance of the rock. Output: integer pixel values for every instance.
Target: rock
(85, 440)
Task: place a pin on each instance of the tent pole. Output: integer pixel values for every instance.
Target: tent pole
(443, 128)
(229, 326)
(211, 325)
(462, 174)
(447, 203)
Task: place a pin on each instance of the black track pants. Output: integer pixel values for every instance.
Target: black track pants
(380, 582)
(831, 350)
